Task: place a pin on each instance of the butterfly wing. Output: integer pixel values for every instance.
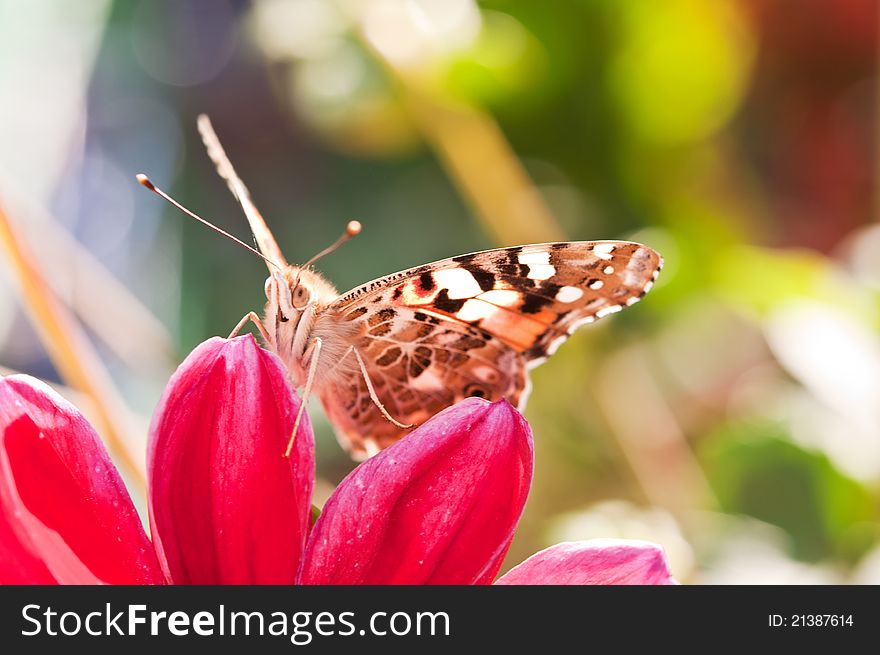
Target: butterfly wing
(472, 325)
(418, 364)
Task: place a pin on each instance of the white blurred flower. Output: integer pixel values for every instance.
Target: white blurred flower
(747, 551)
(837, 359)
(868, 570)
(620, 519)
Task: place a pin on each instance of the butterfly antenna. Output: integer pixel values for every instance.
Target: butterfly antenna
(262, 234)
(351, 230)
(144, 181)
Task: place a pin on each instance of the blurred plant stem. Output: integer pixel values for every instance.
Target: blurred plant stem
(649, 435)
(479, 160)
(106, 306)
(485, 169)
(71, 352)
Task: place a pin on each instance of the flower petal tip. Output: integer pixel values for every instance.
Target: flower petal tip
(597, 562)
(225, 505)
(438, 507)
(65, 515)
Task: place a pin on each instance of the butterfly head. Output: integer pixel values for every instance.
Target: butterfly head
(295, 290)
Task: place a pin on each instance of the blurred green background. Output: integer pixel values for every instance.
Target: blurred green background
(733, 416)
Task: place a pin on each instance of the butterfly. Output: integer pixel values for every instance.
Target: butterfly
(388, 355)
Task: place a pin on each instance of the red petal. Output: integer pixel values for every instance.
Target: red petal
(438, 507)
(225, 505)
(65, 514)
(597, 562)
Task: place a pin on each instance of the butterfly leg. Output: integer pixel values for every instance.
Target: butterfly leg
(312, 354)
(251, 316)
(373, 395)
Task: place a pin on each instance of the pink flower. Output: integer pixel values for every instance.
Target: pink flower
(225, 506)
(439, 507)
(595, 562)
(65, 515)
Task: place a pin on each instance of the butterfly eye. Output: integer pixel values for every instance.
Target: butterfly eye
(301, 297)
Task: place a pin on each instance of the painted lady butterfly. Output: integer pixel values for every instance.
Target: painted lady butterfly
(388, 355)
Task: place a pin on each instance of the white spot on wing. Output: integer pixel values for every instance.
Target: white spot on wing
(633, 275)
(541, 271)
(603, 250)
(608, 270)
(597, 284)
(553, 346)
(542, 257)
(427, 381)
(502, 297)
(485, 373)
(569, 294)
(584, 321)
(475, 310)
(371, 447)
(458, 282)
(632, 278)
(611, 309)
